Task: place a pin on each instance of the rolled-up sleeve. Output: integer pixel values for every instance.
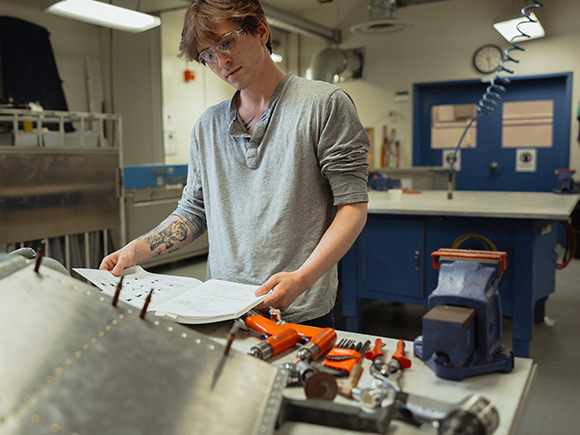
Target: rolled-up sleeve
(342, 150)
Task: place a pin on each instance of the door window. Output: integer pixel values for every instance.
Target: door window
(527, 124)
(448, 121)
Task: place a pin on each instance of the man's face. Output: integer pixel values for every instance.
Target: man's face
(240, 66)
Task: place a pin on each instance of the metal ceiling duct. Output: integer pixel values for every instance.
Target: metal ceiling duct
(334, 65)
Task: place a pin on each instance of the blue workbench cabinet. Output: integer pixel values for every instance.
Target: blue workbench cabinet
(391, 261)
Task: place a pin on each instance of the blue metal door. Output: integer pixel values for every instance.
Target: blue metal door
(490, 165)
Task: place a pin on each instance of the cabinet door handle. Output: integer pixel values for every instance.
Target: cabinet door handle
(416, 255)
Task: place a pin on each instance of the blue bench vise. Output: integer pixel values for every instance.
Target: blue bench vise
(462, 329)
(565, 181)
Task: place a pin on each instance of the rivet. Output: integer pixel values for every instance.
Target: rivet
(156, 323)
(101, 334)
(54, 428)
(170, 329)
(197, 341)
(35, 418)
(108, 327)
(130, 311)
(121, 316)
(184, 335)
(93, 340)
(101, 299)
(78, 354)
(86, 347)
(39, 388)
(211, 347)
(114, 322)
(50, 379)
(59, 371)
(69, 362)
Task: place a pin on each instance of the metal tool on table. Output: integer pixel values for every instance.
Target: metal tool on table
(473, 415)
(318, 381)
(326, 413)
(462, 330)
(390, 372)
(398, 363)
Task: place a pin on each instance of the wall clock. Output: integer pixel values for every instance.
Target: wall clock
(486, 58)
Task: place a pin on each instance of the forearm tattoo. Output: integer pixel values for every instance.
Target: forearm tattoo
(174, 232)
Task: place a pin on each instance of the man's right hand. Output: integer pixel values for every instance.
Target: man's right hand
(167, 237)
(119, 260)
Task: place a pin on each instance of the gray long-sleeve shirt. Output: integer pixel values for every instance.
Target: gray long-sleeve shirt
(267, 199)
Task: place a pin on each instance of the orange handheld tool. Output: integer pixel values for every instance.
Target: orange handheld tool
(275, 344)
(318, 345)
(321, 339)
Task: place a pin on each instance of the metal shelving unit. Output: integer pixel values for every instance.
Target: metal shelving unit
(61, 183)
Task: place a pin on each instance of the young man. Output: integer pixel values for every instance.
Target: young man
(277, 175)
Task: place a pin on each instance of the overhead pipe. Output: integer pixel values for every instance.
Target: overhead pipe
(291, 23)
(284, 20)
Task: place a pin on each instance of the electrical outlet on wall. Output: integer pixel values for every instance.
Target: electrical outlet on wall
(169, 133)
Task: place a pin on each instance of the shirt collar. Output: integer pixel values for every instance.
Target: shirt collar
(236, 128)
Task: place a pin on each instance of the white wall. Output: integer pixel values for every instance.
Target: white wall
(183, 101)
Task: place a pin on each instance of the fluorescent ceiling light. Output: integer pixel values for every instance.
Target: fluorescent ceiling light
(103, 14)
(508, 28)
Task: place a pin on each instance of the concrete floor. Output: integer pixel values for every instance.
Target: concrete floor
(554, 398)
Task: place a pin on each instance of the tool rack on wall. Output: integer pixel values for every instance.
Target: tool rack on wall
(61, 184)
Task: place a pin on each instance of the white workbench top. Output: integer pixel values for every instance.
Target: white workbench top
(516, 205)
(506, 391)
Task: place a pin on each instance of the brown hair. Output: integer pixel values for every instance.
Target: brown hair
(203, 15)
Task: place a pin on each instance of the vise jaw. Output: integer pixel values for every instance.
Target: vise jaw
(462, 330)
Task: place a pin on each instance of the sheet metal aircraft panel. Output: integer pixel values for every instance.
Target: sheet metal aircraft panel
(73, 363)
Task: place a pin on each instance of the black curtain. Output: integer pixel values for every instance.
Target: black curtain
(28, 69)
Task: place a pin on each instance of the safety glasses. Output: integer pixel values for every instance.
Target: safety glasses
(225, 46)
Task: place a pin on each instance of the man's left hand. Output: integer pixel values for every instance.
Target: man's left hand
(285, 286)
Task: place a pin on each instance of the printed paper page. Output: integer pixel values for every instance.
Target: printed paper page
(212, 301)
(137, 284)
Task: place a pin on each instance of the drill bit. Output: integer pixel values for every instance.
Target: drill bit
(39, 256)
(118, 291)
(231, 337)
(146, 304)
